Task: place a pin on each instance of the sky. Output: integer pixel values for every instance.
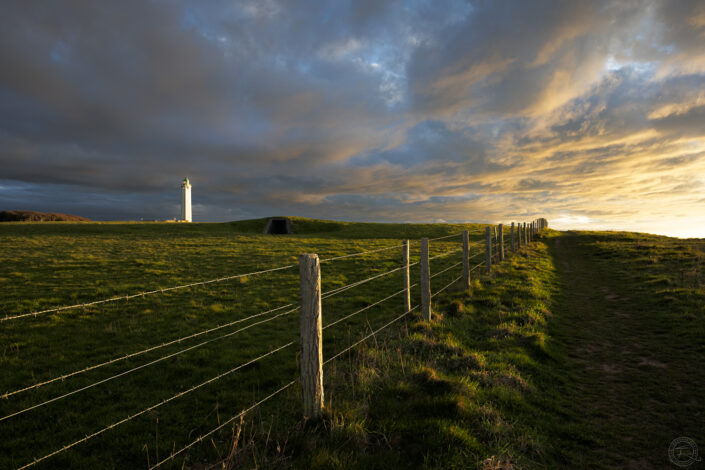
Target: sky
(588, 113)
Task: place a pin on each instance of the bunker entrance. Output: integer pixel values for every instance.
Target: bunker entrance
(278, 226)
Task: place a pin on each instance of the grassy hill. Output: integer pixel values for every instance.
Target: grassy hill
(581, 351)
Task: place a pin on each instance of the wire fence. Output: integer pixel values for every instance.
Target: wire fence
(493, 243)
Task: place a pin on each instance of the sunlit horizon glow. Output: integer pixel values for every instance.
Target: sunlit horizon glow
(591, 114)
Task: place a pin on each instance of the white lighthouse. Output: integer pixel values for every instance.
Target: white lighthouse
(186, 201)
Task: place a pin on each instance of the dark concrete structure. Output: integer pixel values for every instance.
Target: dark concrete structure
(278, 226)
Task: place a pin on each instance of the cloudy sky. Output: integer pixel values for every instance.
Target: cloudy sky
(589, 113)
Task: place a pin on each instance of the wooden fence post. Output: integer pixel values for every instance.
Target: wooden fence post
(311, 335)
(519, 235)
(425, 281)
(501, 242)
(488, 249)
(513, 243)
(405, 274)
(466, 260)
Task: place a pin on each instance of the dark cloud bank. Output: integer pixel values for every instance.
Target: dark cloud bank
(590, 113)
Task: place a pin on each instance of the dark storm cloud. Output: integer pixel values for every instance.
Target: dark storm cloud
(377, 110)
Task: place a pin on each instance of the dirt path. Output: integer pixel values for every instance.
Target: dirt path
(629, 377)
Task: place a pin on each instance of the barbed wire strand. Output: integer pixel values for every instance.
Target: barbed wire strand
(370, 335)
(142, 366)
(447, 286)
(222, 425)
(446, 269)
(146, 410)
(143, 351)
(142, 294)
(368, 307)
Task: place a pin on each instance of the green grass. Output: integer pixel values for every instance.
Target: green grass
(583, 350)
(46, 265)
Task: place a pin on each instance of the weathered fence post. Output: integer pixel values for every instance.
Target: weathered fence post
(488, 249)
(501, 242)
(466, 260)
(425, 281)
(512, 231)
(405, 274)
(519, 235)
(311, 335)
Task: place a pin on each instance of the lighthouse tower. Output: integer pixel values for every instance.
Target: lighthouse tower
(186, 201)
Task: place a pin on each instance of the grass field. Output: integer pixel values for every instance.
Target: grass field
(584, 350)
(46, 265)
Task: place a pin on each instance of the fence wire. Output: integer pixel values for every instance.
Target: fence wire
(134, 369)
(368, 307)
(222, 425)
(360, 253)
(142, 294)
(445, 254)
(445, 236)
(494, 243)
(446, 269)
(157, 405)
(143, 351)
(338, 290)
(369, 336)
(447, 286)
